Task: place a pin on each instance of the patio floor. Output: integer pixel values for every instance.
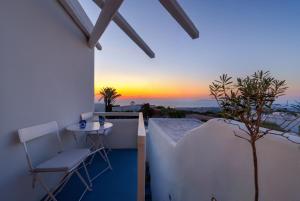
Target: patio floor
(114, 185)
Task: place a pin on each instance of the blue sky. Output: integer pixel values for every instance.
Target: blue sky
(236, 37)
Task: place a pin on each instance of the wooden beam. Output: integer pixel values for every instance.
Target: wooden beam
(131, 33)
(173, 7)
(107, 13)
(80, 18)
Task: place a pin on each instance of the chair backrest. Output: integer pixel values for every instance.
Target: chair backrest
(87, 116)
(34, 132)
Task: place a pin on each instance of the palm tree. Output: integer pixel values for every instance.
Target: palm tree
(109, 95)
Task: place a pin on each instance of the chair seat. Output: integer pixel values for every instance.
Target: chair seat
(65, 161)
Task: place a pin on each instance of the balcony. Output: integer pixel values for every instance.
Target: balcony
(127, 156)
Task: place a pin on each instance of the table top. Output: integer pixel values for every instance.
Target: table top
(90, 126)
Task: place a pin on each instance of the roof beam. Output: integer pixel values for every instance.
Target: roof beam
(78, 15)
(131, 33)
(107, 13)
(173, 7)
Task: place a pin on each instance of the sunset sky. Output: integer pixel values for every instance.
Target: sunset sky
(236, 37)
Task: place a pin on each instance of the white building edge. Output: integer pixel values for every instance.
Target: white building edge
(210, 161)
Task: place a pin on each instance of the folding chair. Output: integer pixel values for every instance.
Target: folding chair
(67, 162)
(98, 145)
(88, 116)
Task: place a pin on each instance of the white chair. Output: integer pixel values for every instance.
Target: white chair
(67, 162)
(98, 144)
(88, 116)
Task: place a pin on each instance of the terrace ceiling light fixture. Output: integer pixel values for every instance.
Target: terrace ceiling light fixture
(109, 12)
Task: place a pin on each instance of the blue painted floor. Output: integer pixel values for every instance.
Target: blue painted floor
(119, 184)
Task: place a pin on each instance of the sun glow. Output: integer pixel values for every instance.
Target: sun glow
(136, 87)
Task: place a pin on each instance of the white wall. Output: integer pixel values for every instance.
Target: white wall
(211, 161)
(46, 73)
(123, 135)
(99, 107)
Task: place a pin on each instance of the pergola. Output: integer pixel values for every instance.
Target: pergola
(109, 12)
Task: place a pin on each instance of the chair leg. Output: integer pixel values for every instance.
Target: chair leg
(91, 148)
(89, 138)
(103, 144)
(64, 182)
(94, 147)
(92, 159)
(82, 195)
(86, 139)
(50, 194)
(34, 179)
(87, 174)
(83, 181)
(107, 159)
(102, 156)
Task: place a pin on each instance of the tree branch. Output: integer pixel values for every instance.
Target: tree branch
(236, 135)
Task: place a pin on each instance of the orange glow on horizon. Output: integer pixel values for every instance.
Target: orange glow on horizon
(153, 91)
(151, 86)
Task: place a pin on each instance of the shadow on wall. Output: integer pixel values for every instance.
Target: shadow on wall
(14, 139)
(64, 23)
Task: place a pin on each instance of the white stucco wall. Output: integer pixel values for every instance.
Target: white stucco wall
(99, 107)
(211, 161)
(46, 74)
(123, 134)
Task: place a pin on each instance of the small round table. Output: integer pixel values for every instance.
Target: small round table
(90, 127)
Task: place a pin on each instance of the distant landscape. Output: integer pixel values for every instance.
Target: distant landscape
(201, 109)
(172, 102)
(175, 103)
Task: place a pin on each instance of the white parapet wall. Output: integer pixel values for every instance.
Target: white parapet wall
(99, 107)
(124, 132)
(211, 161)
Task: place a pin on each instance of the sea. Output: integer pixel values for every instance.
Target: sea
(192, 103)
(171, 102)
